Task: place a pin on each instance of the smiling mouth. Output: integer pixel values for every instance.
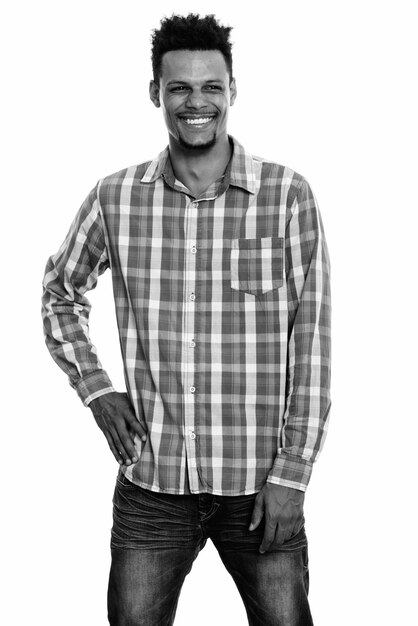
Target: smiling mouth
(197, 121)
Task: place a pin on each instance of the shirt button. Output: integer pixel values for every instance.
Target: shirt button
(192, 296)
(192, 435)
(192, 343)
(194, 249)
(192, 389)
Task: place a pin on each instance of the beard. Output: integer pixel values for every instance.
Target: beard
(201, 146)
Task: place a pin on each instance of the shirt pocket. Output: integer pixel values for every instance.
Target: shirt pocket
(256, 264)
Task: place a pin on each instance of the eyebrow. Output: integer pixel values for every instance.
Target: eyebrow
(182, 82)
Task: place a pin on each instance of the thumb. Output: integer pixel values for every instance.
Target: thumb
(258, 513)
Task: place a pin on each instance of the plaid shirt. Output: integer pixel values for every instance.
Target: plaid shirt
(223, 309)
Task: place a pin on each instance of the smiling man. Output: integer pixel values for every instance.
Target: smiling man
(198, 120)
(220, 271)
(195, 91)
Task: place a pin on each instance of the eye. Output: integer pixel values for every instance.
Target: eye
(179, 88)
(213, 88)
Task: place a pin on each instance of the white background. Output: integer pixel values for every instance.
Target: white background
(325, 87)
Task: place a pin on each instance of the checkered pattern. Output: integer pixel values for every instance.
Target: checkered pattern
(223, 310)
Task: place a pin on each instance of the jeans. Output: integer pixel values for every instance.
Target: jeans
(156, 537)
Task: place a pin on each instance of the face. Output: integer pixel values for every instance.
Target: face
(195, 93)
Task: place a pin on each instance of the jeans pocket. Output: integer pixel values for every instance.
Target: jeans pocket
(123, 482)
(296, 542)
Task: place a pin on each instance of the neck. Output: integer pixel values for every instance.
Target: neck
(197, 169)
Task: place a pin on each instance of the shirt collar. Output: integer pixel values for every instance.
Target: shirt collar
(241, 171)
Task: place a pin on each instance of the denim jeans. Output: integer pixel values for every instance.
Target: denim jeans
(156, 537)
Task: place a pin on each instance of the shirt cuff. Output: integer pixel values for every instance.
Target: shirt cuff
(93, 385)
(290, 470)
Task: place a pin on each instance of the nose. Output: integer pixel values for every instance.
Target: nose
(195, 100)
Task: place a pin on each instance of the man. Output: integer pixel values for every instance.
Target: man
(221, 283)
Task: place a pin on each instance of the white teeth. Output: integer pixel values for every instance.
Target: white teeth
(200, 120)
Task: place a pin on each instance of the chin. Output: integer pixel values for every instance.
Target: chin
(198, 146)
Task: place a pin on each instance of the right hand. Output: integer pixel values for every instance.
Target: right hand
(115, 416)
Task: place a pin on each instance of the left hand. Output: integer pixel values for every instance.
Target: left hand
(283, 511)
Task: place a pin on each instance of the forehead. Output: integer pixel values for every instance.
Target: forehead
(184, 65)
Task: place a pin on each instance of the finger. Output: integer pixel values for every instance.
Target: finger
(281, 537)
(135, 426)
(258, 512)
(112, 446)
(284, 532)
(268, 538)
(128, 413)
(127, 442)
(299, 525)
(120, 443)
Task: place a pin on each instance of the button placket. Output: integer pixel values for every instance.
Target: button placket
(189, 342)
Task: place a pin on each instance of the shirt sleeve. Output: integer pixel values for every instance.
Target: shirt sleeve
(69, 274)
(309, 344)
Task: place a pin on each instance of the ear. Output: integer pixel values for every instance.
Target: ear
(233, 91)
(154, 93)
